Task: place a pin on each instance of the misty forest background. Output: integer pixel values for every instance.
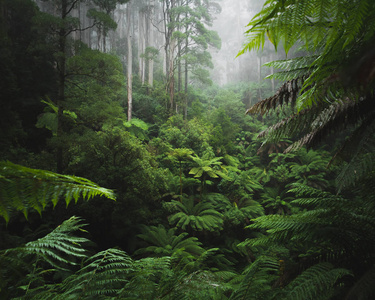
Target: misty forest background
(131, 170)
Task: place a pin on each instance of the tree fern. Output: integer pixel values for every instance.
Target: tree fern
(197, 216)
(337, 81)
(331, 229)
(23, 189)
(112, 273)
(60, 250)
(317, 282)
(364, 287)
(329, 217)
(152, 278)
(331, 90)
(360, 149)
(164, 242)
(104, 273)
(257, 279)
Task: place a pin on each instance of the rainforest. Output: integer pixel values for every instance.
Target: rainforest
(187, 149)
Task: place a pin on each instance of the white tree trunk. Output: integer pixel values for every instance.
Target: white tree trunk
(141, 45)
(151, 43)
(130, 62)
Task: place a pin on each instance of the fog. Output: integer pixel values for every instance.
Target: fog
(231, 26)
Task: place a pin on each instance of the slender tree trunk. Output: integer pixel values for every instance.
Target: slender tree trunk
(181, 180)
(166, 37)
(179, 70)
(186, 71)
(169, 48)
(130, 62)
(179, 77)
(141, 45)
(99, 32)
(273, 79)
(186, 90)
(61, 62)
(171, 74)
(151, 43)
(259, 60)
(179, 89)
(104, 42)
(147, 41)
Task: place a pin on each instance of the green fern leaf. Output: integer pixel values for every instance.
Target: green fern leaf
(23, 188)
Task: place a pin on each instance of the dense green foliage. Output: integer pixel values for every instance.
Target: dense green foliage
(204, 209)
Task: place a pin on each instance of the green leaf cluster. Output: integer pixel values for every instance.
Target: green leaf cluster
(24, 188)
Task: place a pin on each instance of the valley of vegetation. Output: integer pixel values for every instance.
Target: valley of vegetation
(128, 172)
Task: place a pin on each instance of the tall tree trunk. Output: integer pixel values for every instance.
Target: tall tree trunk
(179, 89)
(259, 60)
(104, 41)
(166, 37)
(61, 63)
(272, 72)
(141, 44)
(99, 31)
(186, 90)
(169, 48)
(150, 43)
(171, 74)
(186, 68)
(179, 70)
(130, 61)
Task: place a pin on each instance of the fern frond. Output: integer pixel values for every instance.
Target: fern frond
(364, 287)
(199, 216)
(104, 273)
(337, 117)
(286, 94)
(164, 242)
(150, 278)
(23, 189)
(361, 147)
(315, 282)
(257, 279)
(320, 122)
(59, 248)
(297, 122)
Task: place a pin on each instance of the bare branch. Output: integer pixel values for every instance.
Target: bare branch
(71, 7)
(82, 29)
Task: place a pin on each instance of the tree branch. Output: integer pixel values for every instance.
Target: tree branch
(81, 29)
(71, 7)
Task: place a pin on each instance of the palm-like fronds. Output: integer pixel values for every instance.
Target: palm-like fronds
(332, 218)
(60, 247)
(276, 202)
(317, 282)
(211, 167)
(104, 273)
(57, 247)
(359, 150)
(285, 95)
(23, 189)
(364, 287)
(197, 216)
(256, 281)
(243, 210)
(164, 242)
(331, 228)
(57, 251)
(108, 274)
(332, 86)
(153, 278)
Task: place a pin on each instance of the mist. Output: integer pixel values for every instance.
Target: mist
(231, 26)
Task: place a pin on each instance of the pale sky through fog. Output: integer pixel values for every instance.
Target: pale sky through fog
(231, 25)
